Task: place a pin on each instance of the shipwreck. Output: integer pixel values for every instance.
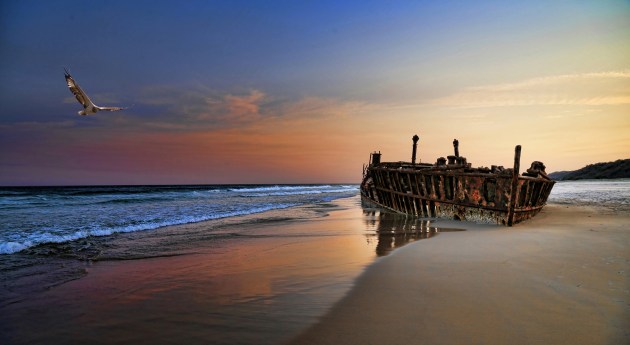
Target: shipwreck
(452, 188)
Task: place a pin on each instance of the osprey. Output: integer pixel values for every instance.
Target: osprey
(88, 106)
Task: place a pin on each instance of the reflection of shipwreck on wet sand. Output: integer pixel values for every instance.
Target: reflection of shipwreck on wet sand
(455, 190)
(393, 230)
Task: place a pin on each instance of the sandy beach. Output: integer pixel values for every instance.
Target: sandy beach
(561, 278)
(352, 276)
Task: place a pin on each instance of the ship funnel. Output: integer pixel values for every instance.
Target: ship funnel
(456, 147)
(415, 147)
(375, 158)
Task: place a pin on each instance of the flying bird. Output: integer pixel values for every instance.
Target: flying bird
(88, 106)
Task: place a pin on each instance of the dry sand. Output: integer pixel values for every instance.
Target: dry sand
(560, 278)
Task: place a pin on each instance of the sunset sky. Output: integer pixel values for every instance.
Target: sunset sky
(303, 91)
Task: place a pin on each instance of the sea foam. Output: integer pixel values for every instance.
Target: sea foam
(37, 238)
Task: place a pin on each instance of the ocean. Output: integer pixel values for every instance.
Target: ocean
(31, 216)
(611, 194)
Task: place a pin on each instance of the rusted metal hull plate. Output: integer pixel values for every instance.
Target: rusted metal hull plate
(483, 198)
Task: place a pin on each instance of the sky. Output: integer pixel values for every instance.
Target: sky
(302, 91)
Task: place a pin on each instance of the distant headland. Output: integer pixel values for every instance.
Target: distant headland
(617, 169)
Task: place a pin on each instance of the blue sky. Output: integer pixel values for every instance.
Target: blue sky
(348, 76)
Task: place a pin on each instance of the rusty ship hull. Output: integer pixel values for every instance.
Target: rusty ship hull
(456, 190)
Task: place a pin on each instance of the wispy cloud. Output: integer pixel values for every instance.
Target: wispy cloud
(201, 107)
(33, 125)
(600, 88)
(244, 105)
(323, 107)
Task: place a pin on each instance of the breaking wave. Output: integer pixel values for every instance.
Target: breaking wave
(299, 192)
(31, 216)
(38, 238)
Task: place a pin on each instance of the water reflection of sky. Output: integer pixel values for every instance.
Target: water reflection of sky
(262, 286)
(390, 230)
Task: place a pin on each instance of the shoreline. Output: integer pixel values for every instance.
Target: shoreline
(264, 280)
(561, 277)
(330, 279)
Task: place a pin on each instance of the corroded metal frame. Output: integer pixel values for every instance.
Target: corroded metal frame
(426, 190)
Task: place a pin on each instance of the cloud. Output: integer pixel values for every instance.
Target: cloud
(323, 108)
(198, 107)
(242, 106)
(181, 107)
(37, 126)
(592, 89)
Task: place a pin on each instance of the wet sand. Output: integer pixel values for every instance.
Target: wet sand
(560, 278)
(264, 285)
(339, 279)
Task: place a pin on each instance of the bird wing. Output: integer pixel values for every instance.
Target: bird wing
(77, 92)
(110, 108)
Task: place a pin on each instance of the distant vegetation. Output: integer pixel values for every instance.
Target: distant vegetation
(617, 169)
